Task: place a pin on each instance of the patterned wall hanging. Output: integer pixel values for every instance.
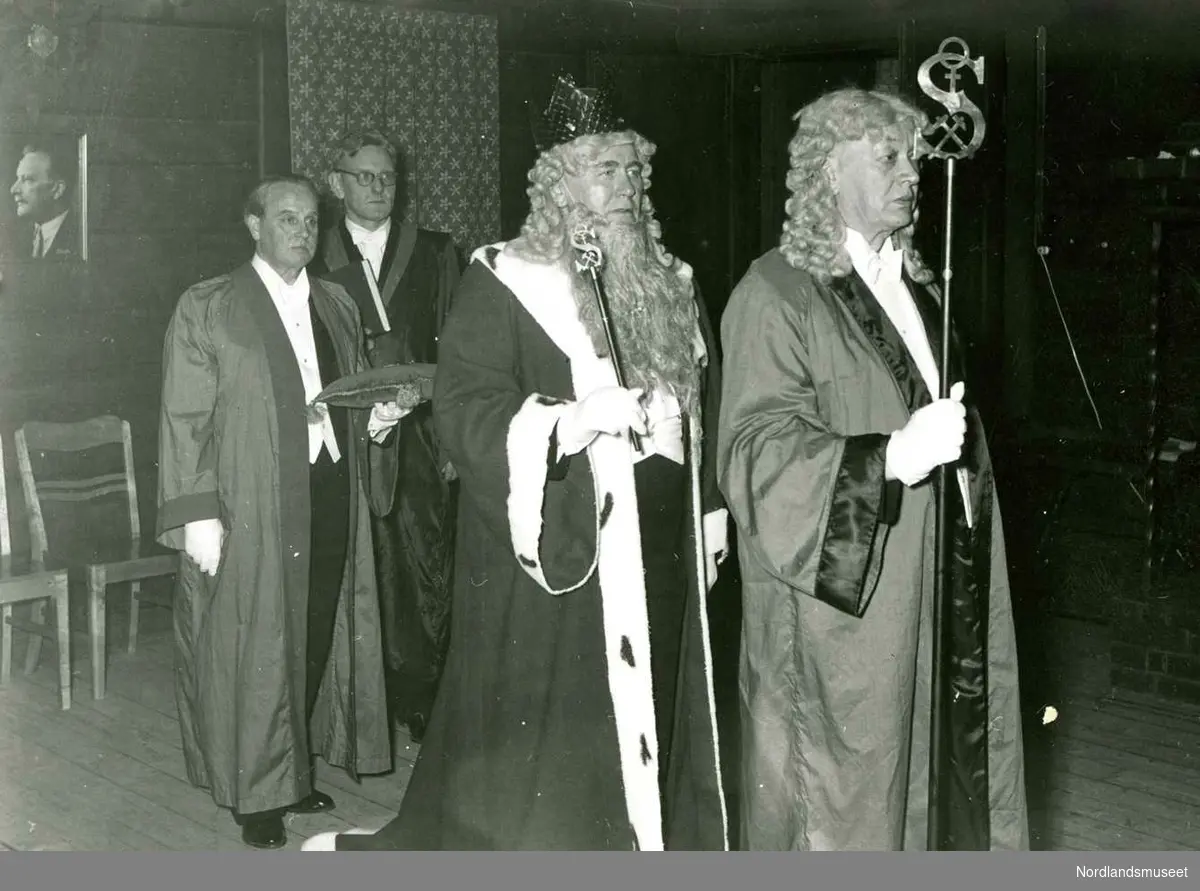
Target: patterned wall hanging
(429, 80)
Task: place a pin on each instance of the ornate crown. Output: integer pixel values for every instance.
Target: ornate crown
(573, 112)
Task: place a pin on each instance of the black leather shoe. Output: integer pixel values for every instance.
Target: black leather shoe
(314, 803)
(264, 832)
(416, 727)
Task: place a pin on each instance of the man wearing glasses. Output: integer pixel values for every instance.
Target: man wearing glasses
(416, 271)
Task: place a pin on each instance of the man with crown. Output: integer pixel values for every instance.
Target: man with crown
(576, 710)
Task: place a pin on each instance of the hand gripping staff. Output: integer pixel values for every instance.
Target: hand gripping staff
(954, 136)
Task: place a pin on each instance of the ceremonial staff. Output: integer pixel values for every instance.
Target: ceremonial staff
(954, 136)
(590, 259)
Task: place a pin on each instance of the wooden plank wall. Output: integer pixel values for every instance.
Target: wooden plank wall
(681, 103)
(172, 116)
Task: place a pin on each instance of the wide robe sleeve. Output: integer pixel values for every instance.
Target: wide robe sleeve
(498, 432)
(187, 447)
(810, 502)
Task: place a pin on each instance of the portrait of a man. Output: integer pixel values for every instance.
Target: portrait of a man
(44, 219)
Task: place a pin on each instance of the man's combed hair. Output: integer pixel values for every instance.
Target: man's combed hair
(354, 141)
(256, 201)
(814, 235)
(545, 234)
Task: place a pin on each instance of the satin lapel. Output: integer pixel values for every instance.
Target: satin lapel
(883, 335)
(334, 321)
(286, 384)
(401, 239)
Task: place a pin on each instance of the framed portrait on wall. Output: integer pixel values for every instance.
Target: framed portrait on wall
(44, 215)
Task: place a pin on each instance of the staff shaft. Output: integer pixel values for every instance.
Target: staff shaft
(938, 720)
(602, 302)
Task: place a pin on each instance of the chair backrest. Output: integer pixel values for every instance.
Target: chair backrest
(41, 437)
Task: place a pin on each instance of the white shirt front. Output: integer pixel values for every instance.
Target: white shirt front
(882, 272)
(48, 230)
(291, 302)
(370, 243)
(664, 421)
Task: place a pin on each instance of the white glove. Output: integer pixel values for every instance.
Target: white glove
(933, 436)
(385, 416)
(611, 410)
(388, 414)
(202, 540)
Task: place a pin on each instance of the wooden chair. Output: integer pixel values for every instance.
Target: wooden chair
(117, 555)
(23, 580)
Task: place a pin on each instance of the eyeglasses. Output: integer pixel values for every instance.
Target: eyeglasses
(365, 177)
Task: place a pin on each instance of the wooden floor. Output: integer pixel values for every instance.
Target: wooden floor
(1109, 773)
(109, 775)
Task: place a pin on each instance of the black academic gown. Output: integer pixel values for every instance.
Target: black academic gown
(413, 543)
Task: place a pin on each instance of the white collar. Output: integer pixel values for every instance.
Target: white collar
(362, 233)
(296, 292)
(875, 267)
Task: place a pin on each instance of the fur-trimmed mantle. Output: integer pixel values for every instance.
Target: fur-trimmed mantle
(545, 292)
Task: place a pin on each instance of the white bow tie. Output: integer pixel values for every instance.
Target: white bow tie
(371, 238)
(884, 270)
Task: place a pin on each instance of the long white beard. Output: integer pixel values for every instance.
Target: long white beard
(651, 311)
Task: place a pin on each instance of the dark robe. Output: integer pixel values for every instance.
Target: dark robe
(414, 542)
(234, 445)
(837, 571)
(547, 733)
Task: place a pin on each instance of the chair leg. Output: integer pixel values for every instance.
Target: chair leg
(33, 652)
(97, 628)
(62, 601)
(6, 654)
(135, 589)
